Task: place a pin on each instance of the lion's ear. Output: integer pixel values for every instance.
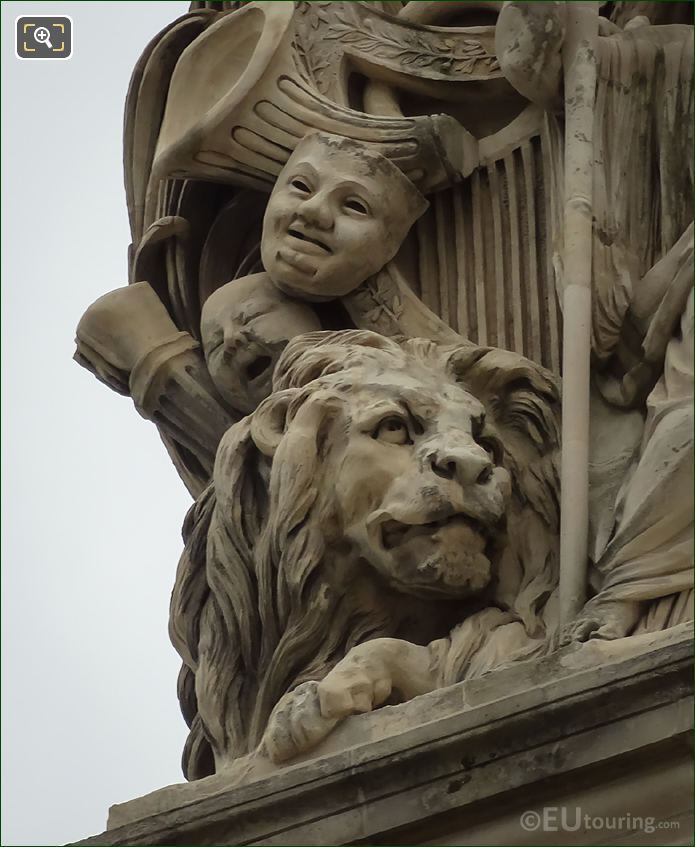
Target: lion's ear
(268, 422)
(518, 392)
(488, 370)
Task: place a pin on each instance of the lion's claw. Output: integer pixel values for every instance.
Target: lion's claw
(296, 723)
(306, 715)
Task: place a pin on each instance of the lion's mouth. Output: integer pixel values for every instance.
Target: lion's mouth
(395, 533)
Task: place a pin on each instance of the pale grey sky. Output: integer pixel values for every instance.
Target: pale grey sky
(91, 506)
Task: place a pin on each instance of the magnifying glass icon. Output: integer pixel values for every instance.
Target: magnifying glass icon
(43, 36)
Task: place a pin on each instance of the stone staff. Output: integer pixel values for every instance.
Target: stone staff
(579, 62)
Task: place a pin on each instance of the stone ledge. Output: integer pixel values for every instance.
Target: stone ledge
(595, 705)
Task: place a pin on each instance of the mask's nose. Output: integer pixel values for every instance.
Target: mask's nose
(468, 465)
(234, 338)
(315, 210)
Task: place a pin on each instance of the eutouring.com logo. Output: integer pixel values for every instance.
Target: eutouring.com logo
(574, 819)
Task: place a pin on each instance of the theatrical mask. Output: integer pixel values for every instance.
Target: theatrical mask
(245, 326)
(338, 213)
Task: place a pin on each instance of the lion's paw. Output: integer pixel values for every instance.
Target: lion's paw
(307, 714)
(296, 724)
(359, 683)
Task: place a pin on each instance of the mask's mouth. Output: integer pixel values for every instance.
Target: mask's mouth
(309, 240)
(251, 360)
(258, 367)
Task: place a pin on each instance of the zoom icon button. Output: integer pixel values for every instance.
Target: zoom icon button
(43, 37)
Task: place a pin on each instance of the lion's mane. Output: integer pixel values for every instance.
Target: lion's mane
(255, 609)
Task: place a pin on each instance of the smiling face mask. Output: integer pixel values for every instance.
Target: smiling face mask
(338, 213)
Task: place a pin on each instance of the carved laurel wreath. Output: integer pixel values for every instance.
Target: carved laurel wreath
(447, 55)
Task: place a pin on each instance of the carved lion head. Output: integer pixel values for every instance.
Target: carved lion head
(383, 489)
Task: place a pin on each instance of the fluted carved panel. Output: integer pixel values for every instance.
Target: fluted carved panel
(485, 256)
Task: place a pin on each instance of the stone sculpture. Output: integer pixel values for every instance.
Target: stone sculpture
(244, 327)
(381, 489)
(357, 225)
(338, 213)
(329, 225)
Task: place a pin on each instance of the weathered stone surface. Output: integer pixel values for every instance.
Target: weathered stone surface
(372, 491)
(363, 237)
(591, 714)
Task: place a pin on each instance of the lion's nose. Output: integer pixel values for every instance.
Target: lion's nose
(468, 466)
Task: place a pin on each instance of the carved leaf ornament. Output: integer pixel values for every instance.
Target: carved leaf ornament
(448, 56)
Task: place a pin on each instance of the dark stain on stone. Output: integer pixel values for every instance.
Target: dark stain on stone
(457, 784)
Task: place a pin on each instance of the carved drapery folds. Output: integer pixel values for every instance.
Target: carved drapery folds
(344, 317)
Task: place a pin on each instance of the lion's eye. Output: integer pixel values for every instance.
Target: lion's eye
(300, 185)
(493, 447)
(392, 430)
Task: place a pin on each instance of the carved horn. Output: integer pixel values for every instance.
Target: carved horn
(239, 103)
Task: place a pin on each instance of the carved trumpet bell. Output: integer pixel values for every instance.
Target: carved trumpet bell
(239, 102)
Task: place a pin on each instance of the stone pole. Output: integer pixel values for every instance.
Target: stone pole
(579, 59)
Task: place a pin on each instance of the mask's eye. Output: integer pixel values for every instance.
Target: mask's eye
(356, 205)
(301, 185)
(393, 430)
